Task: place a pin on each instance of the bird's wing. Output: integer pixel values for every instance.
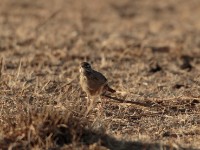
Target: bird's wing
(96, 80)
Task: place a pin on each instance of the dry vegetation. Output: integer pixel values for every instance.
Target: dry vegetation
(149, 50)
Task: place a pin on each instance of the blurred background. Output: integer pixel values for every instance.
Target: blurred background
(90, 29)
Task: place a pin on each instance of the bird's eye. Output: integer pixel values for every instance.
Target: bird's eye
(87, 66)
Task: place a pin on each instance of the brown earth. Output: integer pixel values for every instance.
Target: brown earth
(149, 50)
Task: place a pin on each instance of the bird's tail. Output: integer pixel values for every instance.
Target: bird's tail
(109, 89)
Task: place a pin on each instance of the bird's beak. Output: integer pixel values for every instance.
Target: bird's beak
(81, 69)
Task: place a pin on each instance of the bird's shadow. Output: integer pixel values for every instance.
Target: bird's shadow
(112, 143)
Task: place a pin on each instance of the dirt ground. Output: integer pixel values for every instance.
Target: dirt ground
(149, 50)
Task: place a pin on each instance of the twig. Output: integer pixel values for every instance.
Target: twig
(129, 101)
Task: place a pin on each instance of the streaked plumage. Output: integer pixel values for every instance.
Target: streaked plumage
(93, 82)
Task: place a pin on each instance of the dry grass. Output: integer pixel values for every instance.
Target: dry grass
(148, 50)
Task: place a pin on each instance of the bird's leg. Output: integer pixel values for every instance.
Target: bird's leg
(90, 103)
(88, 100)
(100, 105)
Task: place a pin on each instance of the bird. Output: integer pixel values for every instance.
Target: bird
(92, 82)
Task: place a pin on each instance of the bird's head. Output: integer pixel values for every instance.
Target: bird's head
(85, 66)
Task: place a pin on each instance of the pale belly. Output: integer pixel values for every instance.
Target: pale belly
(91, 90)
